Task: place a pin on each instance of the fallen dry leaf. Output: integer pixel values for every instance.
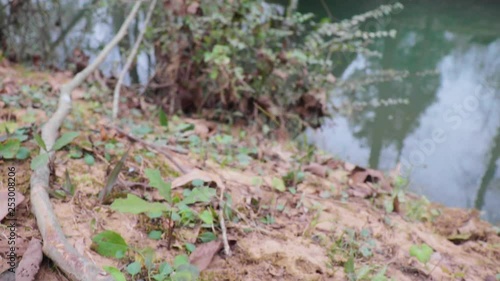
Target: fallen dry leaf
(4, 201)
(30, 263)
(204, 253)
(316, 169)
(361, 181)
(349, 166)
(197, 175)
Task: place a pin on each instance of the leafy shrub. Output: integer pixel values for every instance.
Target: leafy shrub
(245, 58)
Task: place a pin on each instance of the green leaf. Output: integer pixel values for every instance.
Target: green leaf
(8, 126)
(163, 119)
(75, 153)
(68, 186)
(64, 140)
(113, 271)
(40, 141)
(134, 268)
(422, 252)
(207, 237)
(199, 194)
(184, 127)
(180, 260)
(9, 148)
(349, 266)
(206, 217)
(89, 159)
(109, 244)
(190, 247)
(186, 272)
(197, 183)
(23, 153)
(278, 184)
(113, 177)
(141, 131)
(149, 257)
(165, 269)
(135, 205)
(156, 181)
(39, 160)
(155, 234)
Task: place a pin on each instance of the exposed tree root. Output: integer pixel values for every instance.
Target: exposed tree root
(55, 245)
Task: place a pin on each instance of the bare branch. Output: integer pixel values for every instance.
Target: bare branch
(116, 95)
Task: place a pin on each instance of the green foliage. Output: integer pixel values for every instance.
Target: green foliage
(355, 246)
(422, 252)
(9, 148)
(134, 268)
(109, 244)
(115, 272)
(163, 118)
(89, 159)
(43, 157)
(156, 181)
(248, 54)
(113, 177)
(64, 140)
(278, 184)
(155, 235)
(135, 205)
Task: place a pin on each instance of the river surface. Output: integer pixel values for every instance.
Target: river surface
(447, 138)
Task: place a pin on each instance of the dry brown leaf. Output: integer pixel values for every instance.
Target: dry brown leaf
(361, 178)
(197, 175)
(4, 201)
(349, 166)
(204, 253)
(332, 163)
(30, 263)
(316, 169)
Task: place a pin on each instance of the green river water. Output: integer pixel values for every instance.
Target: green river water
(447, 138)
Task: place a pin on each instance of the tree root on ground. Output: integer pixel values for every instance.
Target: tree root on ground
(55, 244)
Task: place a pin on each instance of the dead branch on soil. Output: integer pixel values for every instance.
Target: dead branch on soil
(156, 148)
(116, 95)
(222, 222)
(55, 245)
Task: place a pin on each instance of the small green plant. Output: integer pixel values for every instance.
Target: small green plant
(268, 219)
(43, 157)
(10, 145)
(354, 246)
(111, 244)
(175, 209)
(422, 252)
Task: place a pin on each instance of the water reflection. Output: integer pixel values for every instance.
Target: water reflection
(448, 134)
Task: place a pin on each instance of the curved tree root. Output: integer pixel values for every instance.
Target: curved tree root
(55, 244)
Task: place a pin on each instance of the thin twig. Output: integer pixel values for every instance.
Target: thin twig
(227, 250)
(116, 96)
(157, 148)
(55, 244)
